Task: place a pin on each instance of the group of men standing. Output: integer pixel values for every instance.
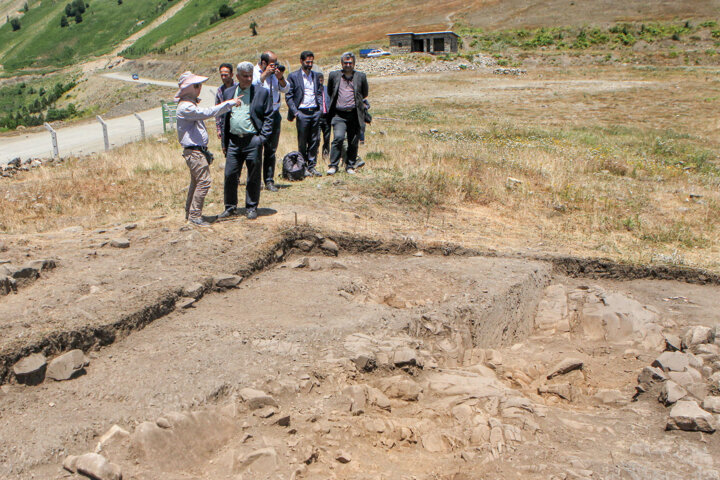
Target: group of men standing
(248, 122)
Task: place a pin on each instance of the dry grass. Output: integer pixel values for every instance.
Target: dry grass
(606, 168)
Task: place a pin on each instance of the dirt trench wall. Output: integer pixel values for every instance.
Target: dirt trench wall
(517, 305)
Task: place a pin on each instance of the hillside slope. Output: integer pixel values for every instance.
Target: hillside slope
(329, 27)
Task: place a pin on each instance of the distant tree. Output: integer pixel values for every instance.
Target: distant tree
(15, 24)
(26, 7)
(225, 10)
(119, 2)
(69, 10)
(79, 5)
(78, 17)
(63, 21)
(253, 28)
(42, 91)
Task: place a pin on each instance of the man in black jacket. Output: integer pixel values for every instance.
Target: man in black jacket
(246, 129)
(347, 90)
(303, 101)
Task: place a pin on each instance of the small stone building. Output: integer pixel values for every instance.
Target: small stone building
(428, 42)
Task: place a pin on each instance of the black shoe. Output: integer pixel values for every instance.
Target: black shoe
(252, 213)
(270, 187)
(230, 211)
(314, 172)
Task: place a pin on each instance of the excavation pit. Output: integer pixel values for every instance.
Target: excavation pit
(361, 366)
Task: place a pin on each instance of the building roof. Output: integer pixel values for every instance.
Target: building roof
(423, 33)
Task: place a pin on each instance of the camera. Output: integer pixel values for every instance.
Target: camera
(280, 67)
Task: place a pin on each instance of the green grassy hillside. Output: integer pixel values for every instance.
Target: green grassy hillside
(195, 17)
(42, 42)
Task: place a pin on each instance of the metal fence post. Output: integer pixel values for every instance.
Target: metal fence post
(53, 135)
(142, 126)
(105, 132)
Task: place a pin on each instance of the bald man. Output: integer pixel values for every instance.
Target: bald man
(268, 75)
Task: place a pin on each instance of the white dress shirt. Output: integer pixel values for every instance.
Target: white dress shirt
(309, 95)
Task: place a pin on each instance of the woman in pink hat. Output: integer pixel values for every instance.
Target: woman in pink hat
(194, 139)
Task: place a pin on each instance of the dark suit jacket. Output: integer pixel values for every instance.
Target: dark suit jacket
(260, 112)
(294, 96)
(361, 92)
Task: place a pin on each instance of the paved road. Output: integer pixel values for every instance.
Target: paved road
(85, 138)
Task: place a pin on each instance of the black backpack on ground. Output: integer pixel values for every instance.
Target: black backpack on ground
(293, 166)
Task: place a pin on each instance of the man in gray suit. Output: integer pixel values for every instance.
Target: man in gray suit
(246, 128)
(347, 90)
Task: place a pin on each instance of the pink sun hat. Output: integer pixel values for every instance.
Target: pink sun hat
(187, 80)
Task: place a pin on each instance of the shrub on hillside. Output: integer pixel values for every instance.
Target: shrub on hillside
(15, 24)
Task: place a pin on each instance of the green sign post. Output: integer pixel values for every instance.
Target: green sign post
(169, 115)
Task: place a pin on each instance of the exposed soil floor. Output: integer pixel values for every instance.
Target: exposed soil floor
(462, 402)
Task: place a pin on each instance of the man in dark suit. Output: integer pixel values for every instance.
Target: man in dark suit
(303, 101)
(246, 129)
(347, 90)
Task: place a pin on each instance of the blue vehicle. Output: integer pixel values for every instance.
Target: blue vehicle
(135, 76)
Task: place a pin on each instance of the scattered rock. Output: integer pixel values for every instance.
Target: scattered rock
(185, 302)
(24, 274)
(70, 463)
(434, 442)
(343, 457)
(97, 467)
(562, 390)
(131, 226)
(565, 366)
(257, 398)
(338, 266)
(120, 242)
(712, 404)
(163, 422)
(672, 362)
(194, 290)
(687, 415)
(404, 357)
(263, 460)
(365, 362)
(31, 369)
(401, 387)
(7, 285)
(283, 421)
(304, 245)
(672, 343)
(43, 264)
(671, 392)
(226, 281)
(265, 412)
(357, 394)
(329, 247)
(650, 375)
(697, 335)
(115, 434)
(301, 263)
(68, 365)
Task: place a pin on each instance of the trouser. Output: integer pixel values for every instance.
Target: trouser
(308, 135)
(325, 134)
(269, 149)
(241, 151)
(345, 124)
(199, 182)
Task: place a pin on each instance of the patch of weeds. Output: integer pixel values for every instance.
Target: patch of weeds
(632, 223)
(676, 233)
(154, 169)
(375, 155)
(419, 113)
